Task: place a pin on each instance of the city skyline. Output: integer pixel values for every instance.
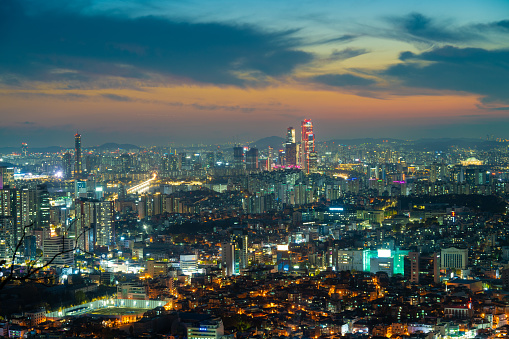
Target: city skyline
(157, 72)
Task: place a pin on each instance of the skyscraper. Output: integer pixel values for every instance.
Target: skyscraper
(269, 159)
(7, 237)
(95, 224)
(234, 253)
(43, 207)
(290, 135)
(228, 258)
(414, 258)
(307, 145)
(238, 157)
(77, 156)
(24, 148)
(67, 166)
(252, 159)
(291, 148)
(239, 237)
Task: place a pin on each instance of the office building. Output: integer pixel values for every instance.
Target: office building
(382, 264)
(80, 189)
(95, 225)
(228, 259)
(43, 207)
(238, 157)
(239, 238)
(24, 149)
(157, 268)
(67, 166)
(414, 258)
(59, 251)
(21, 206)
(6, 175)
(189, 264)
(347, 260)
(252, 159)
(283, 258)
(290, 148)
(7, 237)
(132, 291)
(78, 170)
(205, 329)
(307, 145)
(454, 258)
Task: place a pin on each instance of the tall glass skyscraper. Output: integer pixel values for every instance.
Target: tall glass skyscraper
(307, 144)
(77, 156)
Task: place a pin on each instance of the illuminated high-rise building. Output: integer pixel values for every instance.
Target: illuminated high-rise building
(7, 237)
(234, 253)
(6, 175)
(95, 224)
(77, 156)
(43, 207)
(252, 159)
(269, 159)
(238, 157)
(228, 258)
(24, 148)
(240, 238)
(290, 135)
(291, 148)
(67, 166)
(307, 145)
(21, 207)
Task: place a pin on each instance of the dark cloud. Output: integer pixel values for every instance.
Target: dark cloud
(115, 97)
(342, 80)
(123, 98)
(347, 53)
(341, 39)
(42, 95)
(501, 26)
(422, 29)
(223, 108)
(473, 70)
(504, 24)
(63, 45)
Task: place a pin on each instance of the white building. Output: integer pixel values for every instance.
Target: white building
(454, 258)
(347, 260)
(189, 264)
(59, 251)
(210, 329)
(132, 291)
(382, 265)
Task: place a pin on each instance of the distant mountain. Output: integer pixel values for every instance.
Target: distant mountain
(361, 141)
(50, 149)
(428, 144)
(444, 143)
(274, 142)
(111, 146)
(9, 150)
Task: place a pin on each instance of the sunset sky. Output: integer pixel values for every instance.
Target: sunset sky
(160, 72)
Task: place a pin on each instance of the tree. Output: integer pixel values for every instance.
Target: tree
(33, 266)
(80, 297)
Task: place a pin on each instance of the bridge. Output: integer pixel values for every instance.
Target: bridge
(142, 187)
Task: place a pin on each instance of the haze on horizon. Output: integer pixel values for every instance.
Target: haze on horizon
(157, 72)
